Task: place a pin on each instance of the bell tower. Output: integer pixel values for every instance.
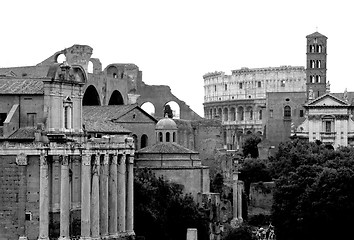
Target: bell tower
(316, 65)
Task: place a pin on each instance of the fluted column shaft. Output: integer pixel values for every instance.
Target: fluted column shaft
(112, 197)
(239, 202)
(43, 197)
(64, 198)
(235, 195)
(95, 199)
(104, 196)
(130, 195)
(121, 193)
(85, 196)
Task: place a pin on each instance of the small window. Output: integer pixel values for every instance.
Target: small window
(225, 87)
(215, 88)
(167, 137)
(259, 84)
(240, 85)
(282, 83)
(287, 99)
(260, 115)
(271, 113)
(28, 216)
(174, 137)
(301, 113)
(328, 126)
(287, 112)
(160, 136)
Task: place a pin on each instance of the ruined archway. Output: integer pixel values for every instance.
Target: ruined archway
(91, 97)
(174, 107)
(149, 108)
(60, 58)
(116, 98)
(112, 71)
(90, 67)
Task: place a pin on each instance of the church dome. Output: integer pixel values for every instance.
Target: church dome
(166, 124)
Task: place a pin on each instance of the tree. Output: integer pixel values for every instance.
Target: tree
(162, 211)
(314, 193)
(249, 147)
(254, 170)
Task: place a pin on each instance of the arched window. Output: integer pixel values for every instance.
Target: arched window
(135, 137)
(260, 115)
(240, 113)
(226, 114)
(160, 137)
(90, 67)
(287, 112)
(251, 114)
(144, 141)
(91, 97)
(232, 114)
(174, 137)
(167, 137)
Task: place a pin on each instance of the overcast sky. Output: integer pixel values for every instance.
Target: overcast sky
(176, 42)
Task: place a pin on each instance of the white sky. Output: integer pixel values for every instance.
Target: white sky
(176, 42)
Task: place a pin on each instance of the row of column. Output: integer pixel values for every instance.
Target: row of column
(236, 114)
(106, 196)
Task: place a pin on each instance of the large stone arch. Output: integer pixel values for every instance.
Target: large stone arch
(116, 98)
(91, 97)
(148, 107)
(175, 107)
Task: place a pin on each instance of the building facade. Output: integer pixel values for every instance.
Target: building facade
(239, 100)
(54, 183)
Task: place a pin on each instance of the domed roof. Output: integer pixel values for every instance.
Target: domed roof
(166, 124)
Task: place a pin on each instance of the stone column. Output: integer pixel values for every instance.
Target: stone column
(235, 195)
(21, 161)
(95, 199)
(112, 198)
(43, 197)
(64, 198)
(104, 196)
(121, 193)
(130, 196)
(239, 211)
(85, 196)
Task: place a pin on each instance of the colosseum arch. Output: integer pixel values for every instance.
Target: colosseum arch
(149, 108)
(174, 107)
(116, 98)
(91, 97)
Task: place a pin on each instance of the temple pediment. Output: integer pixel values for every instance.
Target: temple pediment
(327, 100)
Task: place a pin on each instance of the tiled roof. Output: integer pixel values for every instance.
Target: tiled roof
(99, 113)
(23, 133)
(166, 148)
(104, 126)
(20, 86)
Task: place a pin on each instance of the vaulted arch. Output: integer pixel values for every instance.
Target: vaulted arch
(116, 98)
(91, 97)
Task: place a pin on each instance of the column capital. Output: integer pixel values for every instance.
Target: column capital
(85, 160)
(43, 159)
(106, 159)
(21, 159)
(64, 160)
(122, 159)
(115, 159)
(130, 160)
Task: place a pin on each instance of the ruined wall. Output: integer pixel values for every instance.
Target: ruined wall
(261, 198)
(159, 95)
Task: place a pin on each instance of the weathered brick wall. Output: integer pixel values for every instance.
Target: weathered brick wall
(260, 198)
(278, 128)
(9, 189)
(32, 203)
